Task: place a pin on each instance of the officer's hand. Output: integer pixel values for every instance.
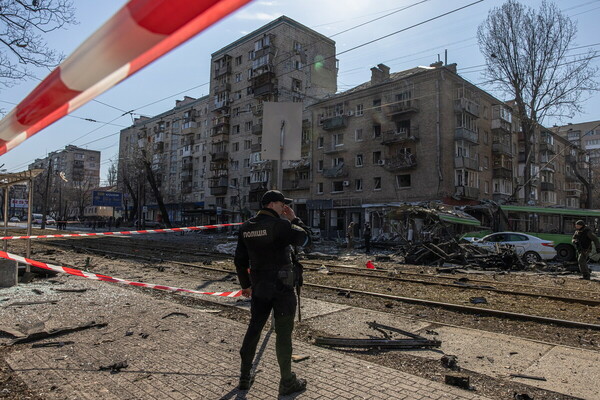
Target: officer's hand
(247, 292)
(289, 213)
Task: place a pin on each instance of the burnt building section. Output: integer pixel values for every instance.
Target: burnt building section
(416, 135)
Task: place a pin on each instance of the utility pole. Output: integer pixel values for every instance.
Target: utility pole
(45, 202)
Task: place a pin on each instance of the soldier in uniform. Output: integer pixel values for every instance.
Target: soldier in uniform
(583, 239)
(265, 269)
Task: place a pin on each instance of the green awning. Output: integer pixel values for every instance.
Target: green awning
(579, 212)
(455, 219)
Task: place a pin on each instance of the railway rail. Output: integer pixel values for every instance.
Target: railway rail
(411, 300)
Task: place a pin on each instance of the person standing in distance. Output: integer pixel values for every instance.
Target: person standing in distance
(265, 269)
(367, 236)
(583, 239)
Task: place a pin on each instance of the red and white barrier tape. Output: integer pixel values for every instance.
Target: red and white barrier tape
(166, 230)
(98, 277)
(138, 34)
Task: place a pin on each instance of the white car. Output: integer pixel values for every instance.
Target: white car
(530, 248)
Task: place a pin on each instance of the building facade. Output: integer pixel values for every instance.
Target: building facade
(169, 151)
(71, 175)
(283, 61)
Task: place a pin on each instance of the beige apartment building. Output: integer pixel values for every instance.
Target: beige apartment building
(174, 145)
(74, 172)
(424, 134)
(583, 158)
(283, 61)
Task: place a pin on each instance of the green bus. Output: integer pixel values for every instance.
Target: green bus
(548, 223)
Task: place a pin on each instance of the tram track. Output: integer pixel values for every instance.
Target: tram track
(537, 291)
(404, 299)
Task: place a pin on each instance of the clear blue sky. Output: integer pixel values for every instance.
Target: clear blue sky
(185, 71)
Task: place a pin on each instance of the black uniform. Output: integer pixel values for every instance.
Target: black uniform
(265, 247)
(583, 239)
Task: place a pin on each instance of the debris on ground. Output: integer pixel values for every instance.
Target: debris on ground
(114, 368)
(39, 335)
(458, 380)
(388, 342)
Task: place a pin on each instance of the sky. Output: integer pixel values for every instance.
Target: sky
(185, 70)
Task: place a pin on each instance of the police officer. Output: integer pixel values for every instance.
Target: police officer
(582, 239)
(263, 261)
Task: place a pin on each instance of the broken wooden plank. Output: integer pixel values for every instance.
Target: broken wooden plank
(30, 303)
(384, 343)
(35, 336)
(536, 378)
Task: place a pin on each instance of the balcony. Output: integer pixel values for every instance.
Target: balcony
(501, 148)
(159, 137)
(401, 108)
(503, 172)
(399, 163)
(222, 120)
(221, 104)
(501, 126)
(220, 155)
(466, 105)
(467, 192)
(226, 69)
(573, 191)
(298, 184)
(218, 191)
(187, 167)
(336, 122)
(571, 177)
(501, 197)
(547, 186)
(220, 130)
(159, 147)
(258, 186)
(257, 129)
(466, 162)
(332, 149)
(223, 87)
(256, 148)
(189, 127)
(400, 135)
(545, 146)
(548, 166)
(466, 134)
(338, 171)
(186, 151)
(267, 88)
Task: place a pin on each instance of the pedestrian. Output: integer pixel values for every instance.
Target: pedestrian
(367, 236)
(263, 261)
(350, 235)
(583, 239)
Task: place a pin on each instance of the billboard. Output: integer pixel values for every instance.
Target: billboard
(107, 199)
(19, 203)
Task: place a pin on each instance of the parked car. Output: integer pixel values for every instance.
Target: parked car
(50, 220)
(36, 218)
(530, 248)
(14, 219)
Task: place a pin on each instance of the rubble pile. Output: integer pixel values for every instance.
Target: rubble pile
(463, 254)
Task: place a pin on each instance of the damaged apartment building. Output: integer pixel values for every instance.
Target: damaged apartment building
(418, 135)
(206, 153)
(423, 134)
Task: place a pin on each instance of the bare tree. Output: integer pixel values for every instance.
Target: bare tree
(527, 57)
(22, 29)
(111, 177)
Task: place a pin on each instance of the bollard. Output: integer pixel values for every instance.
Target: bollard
(8, 273)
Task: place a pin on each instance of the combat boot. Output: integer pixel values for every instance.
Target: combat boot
(291, 385)
(246, 381)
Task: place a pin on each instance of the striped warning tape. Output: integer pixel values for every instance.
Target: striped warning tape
(99, 277)
(166, 230)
